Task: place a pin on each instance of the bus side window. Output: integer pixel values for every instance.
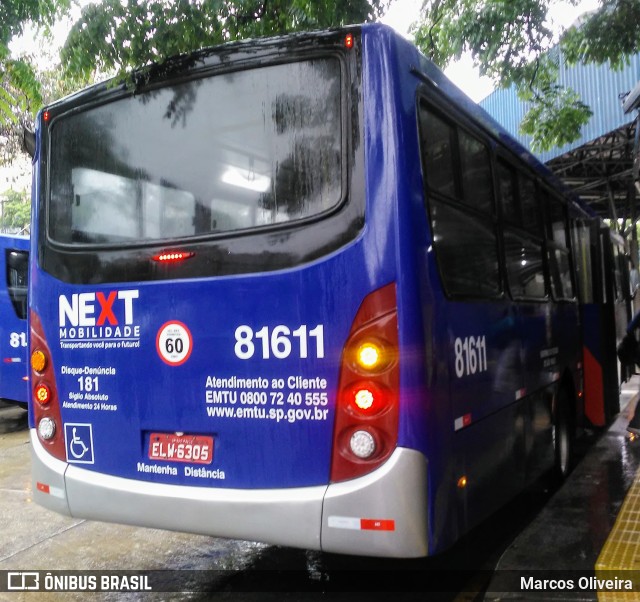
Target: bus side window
(508, 195)
(476, 173)
(525, 269)
(459, 197)
(523, 257)
(437, 149)
(556, 227)
(556, 222)
(581, 242)
(531, 219)
(618, 263)
(469, 268)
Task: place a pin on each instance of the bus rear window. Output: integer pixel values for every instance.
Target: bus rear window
(227, 153)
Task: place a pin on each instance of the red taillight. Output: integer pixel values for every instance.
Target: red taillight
(348, 40)
(45, 407)
(366, 423)
(172, 256)
(42, 394)
(367, 398)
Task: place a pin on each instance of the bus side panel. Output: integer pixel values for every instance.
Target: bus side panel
(603, 323)
(452, 399)
(424, 403)
(486, 380)
(551, 354)
(594, 394)
(13, 327)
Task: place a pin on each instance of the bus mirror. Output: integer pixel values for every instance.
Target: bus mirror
(28, 141)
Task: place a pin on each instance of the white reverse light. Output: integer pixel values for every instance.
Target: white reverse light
(362, 444)
(46, 428)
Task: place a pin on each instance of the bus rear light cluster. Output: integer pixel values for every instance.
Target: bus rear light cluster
(46, 407)
(366, 423)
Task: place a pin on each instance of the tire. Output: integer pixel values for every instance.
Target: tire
(563, 436)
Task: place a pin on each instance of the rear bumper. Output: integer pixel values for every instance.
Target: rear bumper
(381, 514)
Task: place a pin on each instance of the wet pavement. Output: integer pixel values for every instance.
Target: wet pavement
(567, 537)
(34, 538)
(543, 529)
(204, 568)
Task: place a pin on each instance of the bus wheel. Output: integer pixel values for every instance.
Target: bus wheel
(563, 436)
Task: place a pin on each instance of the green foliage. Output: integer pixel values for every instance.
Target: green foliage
(501, 34)
(118, 35)
(555, 118)
(16, 210)
(17, 76)
(511, 41)
(611, 34)
(21, 91)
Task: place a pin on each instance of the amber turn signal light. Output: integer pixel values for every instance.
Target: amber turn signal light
(38, 360)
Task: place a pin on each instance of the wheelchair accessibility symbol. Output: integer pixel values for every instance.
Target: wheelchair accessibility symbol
(79, 438)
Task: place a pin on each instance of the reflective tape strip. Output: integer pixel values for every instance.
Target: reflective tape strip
(361, 524)
(54, 491)
(462, 422)
(372, 524)
(344, 522)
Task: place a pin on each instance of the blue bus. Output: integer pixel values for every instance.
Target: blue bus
(303, 291)
(14, 371)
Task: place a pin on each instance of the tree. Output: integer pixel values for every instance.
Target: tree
(19, 86)
(512, 42)
(16, 210)
(124, 34)
(21, 89)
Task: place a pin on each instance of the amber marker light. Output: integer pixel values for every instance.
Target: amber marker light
(462, 482)
(42, 394)
(369, 356)
(38, 360)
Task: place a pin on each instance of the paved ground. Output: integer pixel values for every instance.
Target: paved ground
(568, 531)
(33, 538)
(567, 536)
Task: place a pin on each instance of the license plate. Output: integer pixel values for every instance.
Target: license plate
(194, 449)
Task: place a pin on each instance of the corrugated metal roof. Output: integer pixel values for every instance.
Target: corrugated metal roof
(599, 86)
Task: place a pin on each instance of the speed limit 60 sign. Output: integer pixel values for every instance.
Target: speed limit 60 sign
(174, 343)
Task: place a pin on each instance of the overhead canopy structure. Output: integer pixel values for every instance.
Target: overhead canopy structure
(601, 173)
(599, 166)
